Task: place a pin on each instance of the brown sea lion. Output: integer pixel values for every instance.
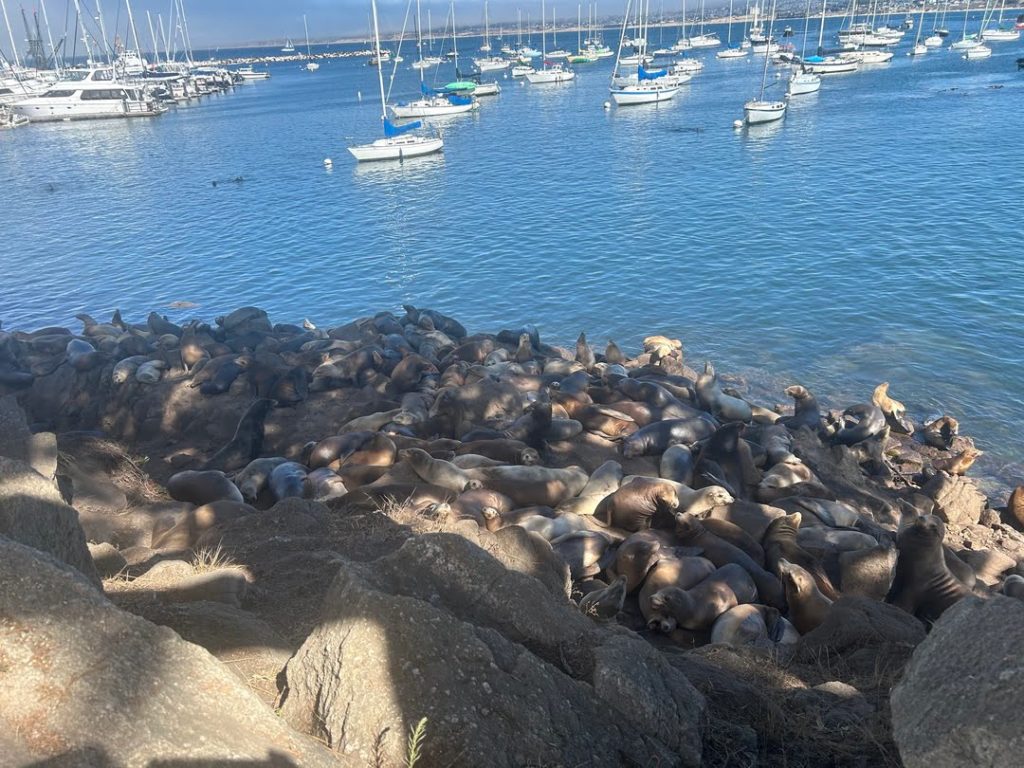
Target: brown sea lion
(691, 532)
(438, 472)
(202, 487)
(505, 451)
(715, 401)
(736, 536)
(807, 412)
(780, 543)
(1013, 586)
(416, 498)
(895, 411)
(634, 559)
(752, 518)
(253, 478)
(682, 572)
(582, 551)
(532, 485)
(867, 572)
(1015, 505)
(923, 584)
(633, 506)
(605, 604)
(698, 607)
(959, 464)
(807, 606)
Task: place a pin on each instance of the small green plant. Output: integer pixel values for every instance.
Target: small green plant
(415, 748)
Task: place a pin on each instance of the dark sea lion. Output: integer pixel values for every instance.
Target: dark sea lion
(656, 438)
(584, 354)
(869, 422)
(677, 463)
(1013, 586)
(736, 536)
(81, 355)
(605, 604)
(751, 517)
(959, 464)
(633, 506)
(160, 325)
(697, 608)
(807, 606)
(582, 551)
(203, 487)
(290, 387)
(247, 442)
(288, 480)
(254, 477)
(532, 485)
(322, 484)
(612, 354)
(726, 460)
(438, 472)
(780, 543)
(691, 532)
(923, 584)
(941, 432)
(807, 412)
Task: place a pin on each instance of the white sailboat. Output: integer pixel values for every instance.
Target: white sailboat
(966, 42)
(802, 82)
(558, 53)
(760, 110)
(1000, 33)
(489, 63)
(819, 64)
(550, 73)
(919, 48)
(288, 47)
(704, 39)
(311, 66)
(729, 52)
(645, 87)
(398, 142)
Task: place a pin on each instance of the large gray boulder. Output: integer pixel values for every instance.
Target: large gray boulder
(957, 499)
(959, 702)
(88, 684)
(507, 672)
(32, 512)
(17, 441)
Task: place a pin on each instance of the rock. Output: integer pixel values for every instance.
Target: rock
(33, 513)
(93, 490)
(87, 684)
(14, 432)
(957, 499)
(988, 564)
(959, 702)
(161, 571)
(223, 585)
(441, 629)
(108, 561)
(837, 704)
(42, 454)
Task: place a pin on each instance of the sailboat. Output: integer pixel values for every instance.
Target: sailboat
(757, 111)
(730, 52)
(819, 64)
(399, 142)
(288, 47)
(648, 87)
(311, 66)
(550, 73)
(920, 48)
(489, 63)
(558, 53)
(432, 103)
(582, 56)
(1000, 33)
(802, 82)
(704, 40)
(966, 42)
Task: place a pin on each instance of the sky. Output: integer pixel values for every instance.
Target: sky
(225, 22)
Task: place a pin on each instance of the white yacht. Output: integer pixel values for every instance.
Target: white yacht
(248, 73)
(978, 52)
(89, 94)
(491, 64)
(130, 64)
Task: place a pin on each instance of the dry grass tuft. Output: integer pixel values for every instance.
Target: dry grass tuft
(212, 559)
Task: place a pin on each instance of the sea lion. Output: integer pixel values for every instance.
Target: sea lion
(219, 374)
(633, 506)
(582, 551)
(715, 401)
(322, 484)
(604, 481)
(923, 584)
(736, 536)
(252, 479)
(1015, 505)
(807, 412)
(691, 532)
(780, 543)
(807, 606)
(551, 528)
(532, 485)
(201, 526)
(605, 604)
(634, 558)
(416, 499)
(370, 422)
(584, 354)
(669, 571)
(748, 625)
(288, 480)
(247, 442)
(726, 460)
(777, 442)
(867, 572)
(202, 487)
(658, 437)
(959, 464)
(438, 472)
(677, 464)
(81, 355)
(150, 372)
(783, 476)
(607, 421)
(941, 432)
(505, 451)
(698, 607)
(1013, 586)
(868, 421)
(895, 411)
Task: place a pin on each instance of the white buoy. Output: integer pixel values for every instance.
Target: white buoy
(607, 105)
(328, 162)
(737, 123)
(359, 95)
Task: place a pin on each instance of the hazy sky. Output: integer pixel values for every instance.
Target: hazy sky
(235, 21)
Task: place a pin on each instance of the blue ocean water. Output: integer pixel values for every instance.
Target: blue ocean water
(873, 235)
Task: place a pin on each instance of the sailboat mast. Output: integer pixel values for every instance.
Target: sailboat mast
(622, 39)
(821, 29)
(543, 38)
(380, 67)
(305, 27)
(419, 42)
(803, 47)
(10, 33)
(53, 48)
(135, 32)
(767, 51)
(487, 29)
(152, 35)
(728, 41)
(554, 27)
(579, 27)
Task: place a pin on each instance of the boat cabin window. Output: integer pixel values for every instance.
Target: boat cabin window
(5, 91)
(103, 94)
(103, 74)
(58, 94)
(75, 75)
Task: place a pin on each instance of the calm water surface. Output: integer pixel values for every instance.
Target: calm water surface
(874, 234)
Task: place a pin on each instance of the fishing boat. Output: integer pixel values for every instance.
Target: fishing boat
(522, 70)
(551, 72)
(311, 66)
(399, 142)
(802, 82)
(84, 94)
(729, 52)
(758, 111)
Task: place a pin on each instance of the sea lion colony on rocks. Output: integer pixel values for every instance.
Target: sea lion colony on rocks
(680, 510)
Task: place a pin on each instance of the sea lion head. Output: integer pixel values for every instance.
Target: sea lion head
(635, 558)
(687, 525)
(923, 531)
(797, 392)
(492, 518)
(528, 457)
(794, 577)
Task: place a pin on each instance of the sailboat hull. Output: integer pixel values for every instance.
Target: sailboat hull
(431, 108)
(758, 112)
(978, 52)
(397, 148)
(732, 53)
(803, 83)
(832, 67)
(546, 76)
(638, 95)
(1000, 35)
(491, 65)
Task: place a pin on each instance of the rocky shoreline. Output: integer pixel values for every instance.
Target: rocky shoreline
(555, 556)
